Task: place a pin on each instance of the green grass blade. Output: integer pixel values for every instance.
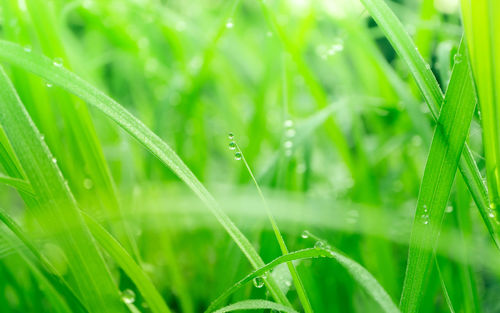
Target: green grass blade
(428, 85)
(55, 206)
(442, 162)
(129, 266)
(39, 264)
(256, 305)
(43, 66)
(299, 286)
(482, 23)
(19, 184)
(358, 272)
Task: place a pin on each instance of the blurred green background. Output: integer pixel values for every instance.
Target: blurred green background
(326, 114)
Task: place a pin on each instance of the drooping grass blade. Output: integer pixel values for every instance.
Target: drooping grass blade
(44, 67)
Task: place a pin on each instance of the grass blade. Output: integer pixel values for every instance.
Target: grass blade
(358, 272)
(481, 23)
(256, 305)
(43, 67)
(55, 206)
(447, 144)
(19, 184)
(428, 85)
(129, 266)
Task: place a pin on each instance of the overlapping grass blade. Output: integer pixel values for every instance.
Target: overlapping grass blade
(482, 26)
(447, 144)
(256, 305)
(358, 273)
(19, 184)
(44, 67)
(129, 266)
(55, 207)
(41, 267)
(431, 92)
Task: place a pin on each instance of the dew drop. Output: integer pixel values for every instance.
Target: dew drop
(305, 234)
(427, 66)
(48, 85)
(290, 133)
(288, 144)
(232, 145)
(88, 183)
(258, 282)
(54, 160)
(457, 58)
(42, 136)
(230, 136)
(58, 62)
(491, 214)
(237, 156)
(27, 48)
(449, 209)
(320, 244)
(128, 296)
(288, 123)
(229, 24)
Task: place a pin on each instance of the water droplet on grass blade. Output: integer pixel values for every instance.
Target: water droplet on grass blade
(128, 296)
(88, 183)
(58, 62)
(48, 85)
(230, 136)
(27, 48)
(237, 156)
(54, 160)
(259, 281)
(229, 24)
(288, 123)
(305, 234)
(288, 144)
(457, 58)
(320, 244)
(232, 145)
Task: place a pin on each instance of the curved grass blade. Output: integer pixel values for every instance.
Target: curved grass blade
(299, 286)
(431, 92)
(54, 206)
(19, 184)
(127, 263)
(358, 272)
(447, 145)
(43, 67)
(256, 305)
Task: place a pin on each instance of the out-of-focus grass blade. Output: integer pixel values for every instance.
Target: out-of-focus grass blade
(433, 95)
(129, 266)
(358, 272)
(256, 305)
(44, 67)
(447, 144)
(482, 26)
(55, 207)
(19, 184)
(39, 264)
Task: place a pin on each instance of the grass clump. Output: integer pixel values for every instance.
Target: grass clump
(118, 193)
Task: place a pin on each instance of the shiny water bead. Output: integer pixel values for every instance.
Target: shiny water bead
(128, 296)
(305, 234)
(58, 62)
(232, 145)
(237, 156)
(258, 282)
